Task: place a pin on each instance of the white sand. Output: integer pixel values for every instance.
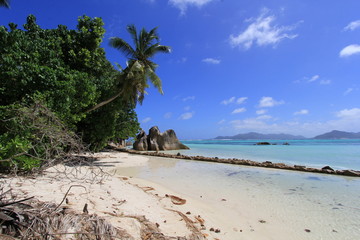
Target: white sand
(115, 198)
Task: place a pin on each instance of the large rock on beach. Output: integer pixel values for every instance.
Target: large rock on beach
(157, 141)
(141, 143)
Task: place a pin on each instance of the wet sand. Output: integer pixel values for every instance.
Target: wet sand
(200, 200)
(253, 203)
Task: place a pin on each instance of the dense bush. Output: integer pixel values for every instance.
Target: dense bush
(32, 137)
(68, 73)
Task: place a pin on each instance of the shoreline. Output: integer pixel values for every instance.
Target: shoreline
(244, 162)
(166, 209)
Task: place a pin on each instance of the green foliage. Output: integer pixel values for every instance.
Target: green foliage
(12, 154)
(32, 137)
(133, 80)
(114, 121)
(140, 68)
(67, 71)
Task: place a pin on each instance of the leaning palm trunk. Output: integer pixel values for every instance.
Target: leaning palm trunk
(109, 100)
(131, 88)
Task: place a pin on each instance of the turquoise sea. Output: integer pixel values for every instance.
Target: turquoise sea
(290, 202)
(339, 154)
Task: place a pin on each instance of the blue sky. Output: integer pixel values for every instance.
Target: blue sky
(274, 66)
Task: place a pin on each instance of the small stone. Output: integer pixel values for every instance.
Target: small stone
(262, 221)
(307, 230)
(212, 229)
(157, 225)
(217, 230)
(223, 199)
(188, 213)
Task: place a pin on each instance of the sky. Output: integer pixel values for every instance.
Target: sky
(236, 66)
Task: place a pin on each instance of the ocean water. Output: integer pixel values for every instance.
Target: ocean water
(339, 154)
(290, 202)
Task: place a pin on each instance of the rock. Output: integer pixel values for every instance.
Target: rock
(352, 173)
(141, 143)
(286, 143)
(263, 143)
(157, 141)
(327, 168)
(299, 167)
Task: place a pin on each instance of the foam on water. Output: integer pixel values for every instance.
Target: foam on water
(329, 206)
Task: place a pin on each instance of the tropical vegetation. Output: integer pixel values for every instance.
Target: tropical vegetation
(56, 84)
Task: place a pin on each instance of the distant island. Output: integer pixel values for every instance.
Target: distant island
(335, 134)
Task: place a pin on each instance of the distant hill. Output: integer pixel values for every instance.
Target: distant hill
(259, 136)
(335, 134)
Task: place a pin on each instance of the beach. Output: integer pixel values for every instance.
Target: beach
(221, 201)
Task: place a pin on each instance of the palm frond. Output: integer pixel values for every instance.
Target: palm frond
(156, 48)
(5, 3)
(155, 80)
(153, 35)
(133, 33)
(123, 46)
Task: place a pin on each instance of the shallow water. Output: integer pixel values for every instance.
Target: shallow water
(339, 154)
(329, 206)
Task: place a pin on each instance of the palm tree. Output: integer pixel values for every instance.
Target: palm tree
(5, 3)
(134, 78)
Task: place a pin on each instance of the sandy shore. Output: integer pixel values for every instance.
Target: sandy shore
(133, 205)
(146, 210)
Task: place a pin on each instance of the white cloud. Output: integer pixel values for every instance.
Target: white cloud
(228, 101)
(211, 61)
(325, 82)
(188, 98)
(314, 78)
(269, 102)
(352, 26)
(187, 108)
(238, 110)
(234, 100)
(264, 117)
(262, 32)
(349, 90)
(353, 113)
(346, 120)
(168, 115)
(350, 50)
(241, 100)
(187, 115)
(182, 60)
(146, 120)
(222, 121)
(302, 112)
(261, 111)
(184, 4)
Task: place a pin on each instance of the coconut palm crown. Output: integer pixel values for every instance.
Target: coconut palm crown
(140, 68)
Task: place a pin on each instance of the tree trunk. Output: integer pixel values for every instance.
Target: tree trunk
(104, 102)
